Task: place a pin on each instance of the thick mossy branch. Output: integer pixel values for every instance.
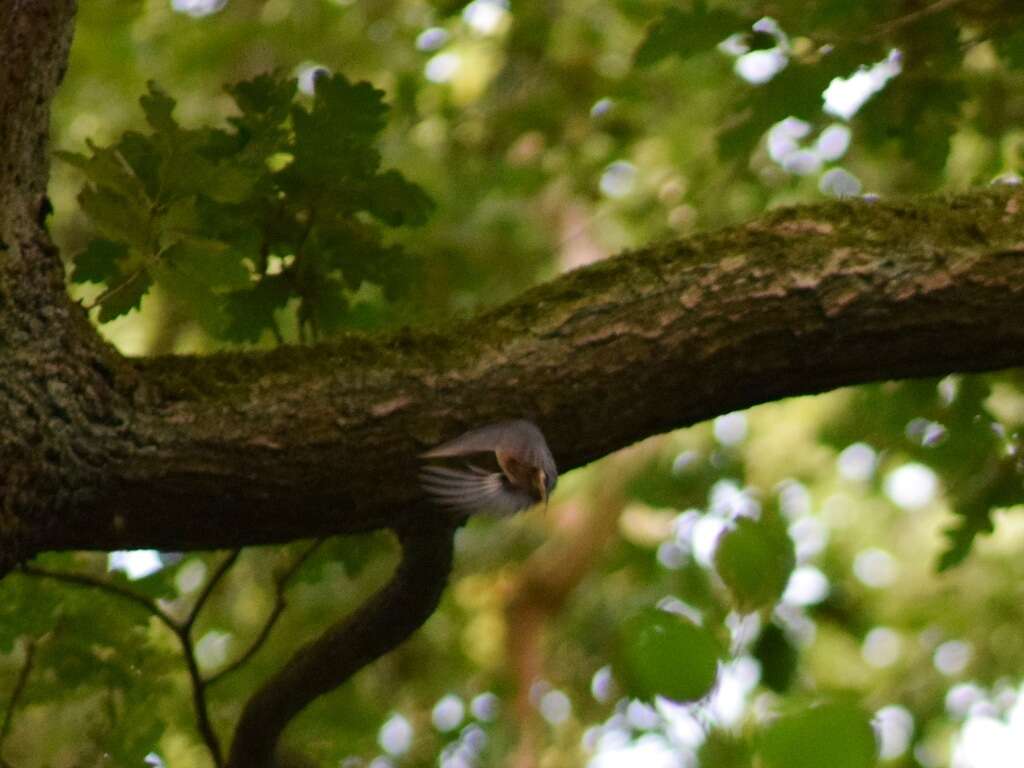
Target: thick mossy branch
(379, 625)
(800, 301)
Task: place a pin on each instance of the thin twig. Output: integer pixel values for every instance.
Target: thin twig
(211, 585)
(385, 620)
(114, 290)
(280, 603)
(203, 724)
(16, 694)
(898, 23)
(181, 631)
(83, 580)
(184, 633)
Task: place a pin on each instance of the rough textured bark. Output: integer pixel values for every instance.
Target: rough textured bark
(58, 401)
(259, 447)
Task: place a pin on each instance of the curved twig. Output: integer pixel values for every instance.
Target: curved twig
(203, 724)
(84, 580)
(910, 18)
(12, 703)
(184, 633)
(383, 622)
(211, 585)
(281, 583)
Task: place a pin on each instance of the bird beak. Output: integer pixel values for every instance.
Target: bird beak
(542, 487)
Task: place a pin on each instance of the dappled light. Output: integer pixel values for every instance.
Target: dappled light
(752, 271)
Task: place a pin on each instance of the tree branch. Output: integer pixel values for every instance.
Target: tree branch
(215, 579)
(382, 623)
(797, 302)
(34, 43)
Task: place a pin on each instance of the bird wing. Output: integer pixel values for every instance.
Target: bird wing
(480, 440)
(473, 490)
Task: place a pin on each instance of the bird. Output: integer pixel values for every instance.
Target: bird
(520, 469)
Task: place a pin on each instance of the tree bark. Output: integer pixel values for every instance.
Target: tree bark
(60, 396)
(258, 447)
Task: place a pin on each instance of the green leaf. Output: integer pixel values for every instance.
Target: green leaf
(778, 658)
(159, 584)
(834, 734)
(999, 484)
(221, 207)
(1011, 48)
(334, 141)
(210, 262)
(356, 110)
(722, 749)
(107, 167)
(267, 97)
(28, 608)
(116, 216)
(265, 103)
(685, 33)
(664, 654)
(191, 291)
(158, 106)
(125, 296)
(353, 553)
(395, 200)
(755, 559)
(921, 114)
(230, 183)
(795, 91)
(355, 249)
(144, 158)
(99, 262)
(251, 312)
(682, 481)
(324, 305)
(946, 425)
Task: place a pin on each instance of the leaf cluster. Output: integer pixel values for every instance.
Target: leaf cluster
(285, 207)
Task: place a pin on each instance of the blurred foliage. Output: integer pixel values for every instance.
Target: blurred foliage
(785, 558)
(833, 733)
